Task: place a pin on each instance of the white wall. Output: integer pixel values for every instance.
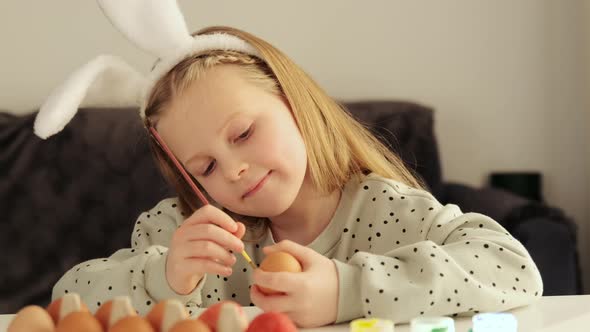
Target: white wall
(505, 77)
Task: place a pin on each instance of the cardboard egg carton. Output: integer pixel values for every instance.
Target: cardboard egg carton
(70, 314)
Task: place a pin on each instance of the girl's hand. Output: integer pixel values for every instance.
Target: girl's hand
(310, 297)
(201, 245)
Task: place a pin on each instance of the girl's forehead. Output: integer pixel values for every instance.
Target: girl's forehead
(221, 90)
(215, 98)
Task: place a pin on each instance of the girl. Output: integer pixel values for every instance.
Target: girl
(289, 170)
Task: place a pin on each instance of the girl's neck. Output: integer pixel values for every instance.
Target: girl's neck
(307, 217)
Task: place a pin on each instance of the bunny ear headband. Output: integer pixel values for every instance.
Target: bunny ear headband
(157, 27)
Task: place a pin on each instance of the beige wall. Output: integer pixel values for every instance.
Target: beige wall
(585, 246)
(566, 109)
(587, 92)
(504, 76)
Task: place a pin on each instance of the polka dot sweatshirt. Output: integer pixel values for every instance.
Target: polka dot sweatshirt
(398, 252)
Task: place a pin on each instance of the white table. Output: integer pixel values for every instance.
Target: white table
(549, 314)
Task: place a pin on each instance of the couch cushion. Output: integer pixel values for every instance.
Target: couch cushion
(408, 129)
(70, 198)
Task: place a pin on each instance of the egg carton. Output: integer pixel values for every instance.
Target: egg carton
(70, 314)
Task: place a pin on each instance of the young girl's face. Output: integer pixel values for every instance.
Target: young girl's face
(239, 141)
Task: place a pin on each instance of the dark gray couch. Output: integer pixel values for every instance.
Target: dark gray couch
(76, 196)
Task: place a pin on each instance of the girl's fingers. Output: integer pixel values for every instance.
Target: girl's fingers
(241, 230)
(197, 265)
(209, 250)
(212, 215)
(209, 232)
(285, 282)
(280, 303)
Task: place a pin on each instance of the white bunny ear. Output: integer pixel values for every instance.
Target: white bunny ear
(104, 81)
(156, 26)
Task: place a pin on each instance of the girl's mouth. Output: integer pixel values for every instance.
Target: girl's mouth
(258, 186)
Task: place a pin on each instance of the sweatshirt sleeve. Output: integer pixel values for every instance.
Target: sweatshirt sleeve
(138, 272)
(457, 264)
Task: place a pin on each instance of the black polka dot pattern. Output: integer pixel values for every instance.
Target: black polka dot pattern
(411, 257)
(419, 221)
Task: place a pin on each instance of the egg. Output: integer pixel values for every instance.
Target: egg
(190, 325)
(113, 310)
(31, 318)
(132, 324)
(231, 318)
(79, 321)
(212, 314)
(278, 261)
(53, 310)
(272, 322)
(62, 306)
(156, 315)
(103, 314)
(174, 311)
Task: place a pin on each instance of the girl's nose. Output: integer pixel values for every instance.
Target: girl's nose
(235, 169)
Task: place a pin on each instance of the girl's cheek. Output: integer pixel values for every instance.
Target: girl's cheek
(262, 144)
(212, 187)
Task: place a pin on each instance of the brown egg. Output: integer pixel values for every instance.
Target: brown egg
(53, 310)
(31, 318)
(132, 324)
(154, 317)
(79, 321)
(174, 311)
(272, 321)
(190, 325)
(226, 313)
(121, 307)
(103, 314)
(231, 318)
(279, 261)
(73, 303)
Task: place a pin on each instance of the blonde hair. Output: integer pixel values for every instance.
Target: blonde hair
(338, 147)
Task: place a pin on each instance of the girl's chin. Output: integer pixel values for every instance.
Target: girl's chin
(269, 210)
(265, 206)
(267, 202)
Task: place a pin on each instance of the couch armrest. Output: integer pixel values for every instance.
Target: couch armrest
(547, 234)
(552, 245)
(495, 203)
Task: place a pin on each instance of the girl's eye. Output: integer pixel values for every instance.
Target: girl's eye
(245, 134)
(209, 168)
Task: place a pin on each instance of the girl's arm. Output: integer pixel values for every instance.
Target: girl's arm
(138, 272)
(447, 262)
